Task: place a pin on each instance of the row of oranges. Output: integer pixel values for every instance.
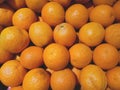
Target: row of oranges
(60, 44)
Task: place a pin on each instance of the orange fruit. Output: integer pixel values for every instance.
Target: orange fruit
(53, 13)
(113, 78)
(31, 57)
(5, 16)
(16, 4)
(12, 73)
(112, 35)
(76, 15)
(36, 5)
(41, 34)
(106, 56)
(93, 78)
(64, 34)
(80, 55)
(64, 3)
(16, 88)
(108, 2)
(116, 8)
(5, 55)
(103, 14)
(14, 39)
(91, 34)
(56, 56)
(63, 80)
(77, 73)
(36, 79)
(23, 18)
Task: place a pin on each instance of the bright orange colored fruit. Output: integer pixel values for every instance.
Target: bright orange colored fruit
(113, 78)
(31, 57)
(63, 80)
(12, 73)
(76, 15)
(41, 33)
(103, 14)
(53, 13)
(92, 34)
(56, 56)
(93, 78)
(80, 55)
(23, 18)
(106, 56)
(64, 34)
(36, 79)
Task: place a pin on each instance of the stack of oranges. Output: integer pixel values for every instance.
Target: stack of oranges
(60, 44)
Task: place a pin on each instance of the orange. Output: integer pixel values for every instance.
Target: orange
(80, 55)
(5, 16)
(12, 73)
(109, 2)
(103, 14)
(56, 56)
(116, 8)
(76, 15)
(5, 55)
(64, 34)
(113, 78)
(112, 35)
(63, 80)
(36, 79)
(106, 56)
(31, 57)
(41, 33)
(93, 78)
(14, 39)
(53, 13)
(64, 3)
(91, 34)
(77, 73)
(36, 5)
(23, 18)
(16, 88)
(16, 4)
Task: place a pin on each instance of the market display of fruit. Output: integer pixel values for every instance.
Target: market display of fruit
(59, 44)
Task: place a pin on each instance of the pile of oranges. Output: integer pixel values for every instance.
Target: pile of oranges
(60, 44)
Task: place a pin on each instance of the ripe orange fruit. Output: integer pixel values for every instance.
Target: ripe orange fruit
(64, 3)
(116, 8)
(53, 13)
(103, 14)
(36, 5)
(36, 79)
(93, 78)
(12, 73)
(113, 78)
(16, 4)
(5, 16)
(76, 15)
(91, 34)
(64, 34)
(56, 56)
(31, 57)
(63, 80)
(80, 55)
(14, 39)
(109, 2)
(106, 56)
(23, 18)
(5, 55)
(112, 35)
(41, 34)
(16, 88)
